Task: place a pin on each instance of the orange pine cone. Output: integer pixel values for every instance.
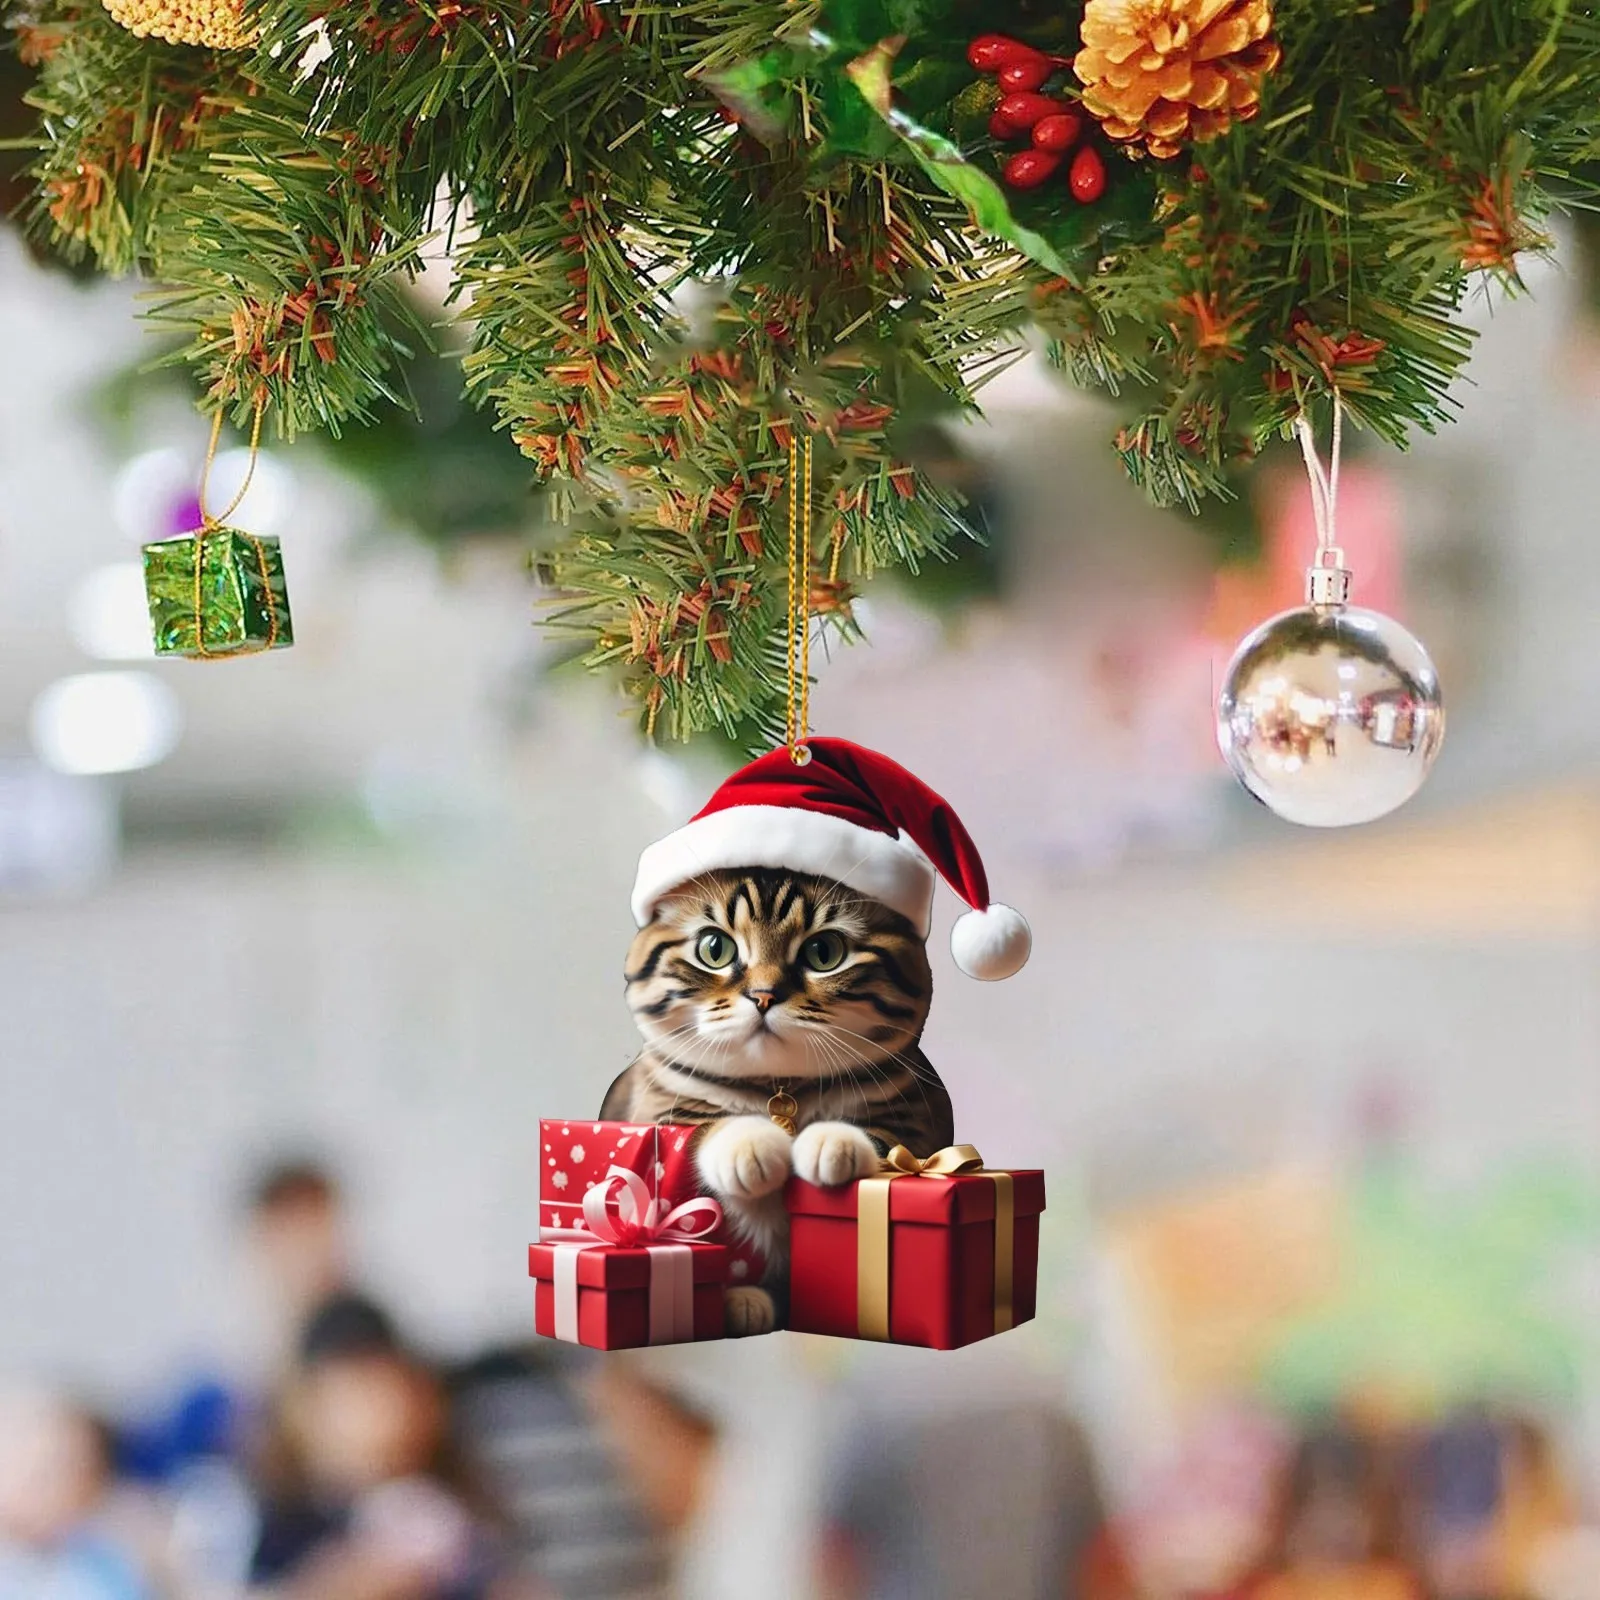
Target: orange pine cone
(1160, 74)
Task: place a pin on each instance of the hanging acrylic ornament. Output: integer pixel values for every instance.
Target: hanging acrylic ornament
(1330, 714)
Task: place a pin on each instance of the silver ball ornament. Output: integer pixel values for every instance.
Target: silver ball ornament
(1330, 715)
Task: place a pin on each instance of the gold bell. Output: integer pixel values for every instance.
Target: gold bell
(783, 1108)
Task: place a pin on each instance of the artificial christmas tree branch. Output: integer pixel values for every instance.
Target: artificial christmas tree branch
(684, 234)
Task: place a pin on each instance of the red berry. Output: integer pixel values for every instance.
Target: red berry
(1058, 132)
(1027, 169)
(1023, 110)
(1087, 175)
(991, 51)
(1028, 73)
(1001, 127)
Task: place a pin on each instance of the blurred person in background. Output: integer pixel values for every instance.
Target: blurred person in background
(294, 1234)
(1498, 1513)
(296, 1224)
(987, 1501)
(57, 1541)
(195, 1448)
(595, 1470)
(1196, 1519)
(1457, 1482)
(360, 1495)
(296, 1490)
(1540, 1545)
(297, 1233)
(1337, 1533)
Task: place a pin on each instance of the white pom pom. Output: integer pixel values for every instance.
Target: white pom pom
(991, 944)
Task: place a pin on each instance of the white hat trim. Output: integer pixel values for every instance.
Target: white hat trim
(892, 870)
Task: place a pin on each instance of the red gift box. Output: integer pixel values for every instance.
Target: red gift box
(937, 1253)
(601, 1295)
(575, 1155)
(632, 1270)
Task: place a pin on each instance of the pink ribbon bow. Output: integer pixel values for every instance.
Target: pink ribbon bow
(620, 1210)
(641, 1219)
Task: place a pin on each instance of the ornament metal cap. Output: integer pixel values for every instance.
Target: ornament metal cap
(1328, 580)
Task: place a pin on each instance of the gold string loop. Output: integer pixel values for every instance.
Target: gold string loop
(207, 521)
(797, 643)
(215, 524)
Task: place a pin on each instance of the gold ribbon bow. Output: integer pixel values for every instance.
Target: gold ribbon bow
(944, 1163)
(872, 1235)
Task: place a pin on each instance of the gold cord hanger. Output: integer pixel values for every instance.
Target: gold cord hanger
(798, 640)
(210, 524)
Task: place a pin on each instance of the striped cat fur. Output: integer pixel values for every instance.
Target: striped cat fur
(751, 986)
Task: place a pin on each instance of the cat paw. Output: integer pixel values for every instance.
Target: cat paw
(832, 1153)
(748, 1310)
(745, 1158)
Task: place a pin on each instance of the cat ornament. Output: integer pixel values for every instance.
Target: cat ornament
(780, 981)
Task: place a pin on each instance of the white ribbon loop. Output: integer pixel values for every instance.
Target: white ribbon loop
(1324, 479)
(639, 1219)
(619, 1210)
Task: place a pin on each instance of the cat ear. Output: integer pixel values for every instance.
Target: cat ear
(991, 944)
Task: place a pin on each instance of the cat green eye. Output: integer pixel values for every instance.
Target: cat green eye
(822, 952)
(714, 949)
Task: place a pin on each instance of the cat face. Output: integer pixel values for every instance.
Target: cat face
(772, 974)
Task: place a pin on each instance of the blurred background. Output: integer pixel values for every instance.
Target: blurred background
(296, 950)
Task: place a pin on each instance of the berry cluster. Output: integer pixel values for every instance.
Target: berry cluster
(1053, 127)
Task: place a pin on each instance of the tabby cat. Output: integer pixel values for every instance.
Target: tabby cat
(756, 984)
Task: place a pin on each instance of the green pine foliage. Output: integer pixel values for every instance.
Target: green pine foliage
(1405, 151)
(687, 232)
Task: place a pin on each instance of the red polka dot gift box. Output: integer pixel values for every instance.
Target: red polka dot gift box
(621, 1209)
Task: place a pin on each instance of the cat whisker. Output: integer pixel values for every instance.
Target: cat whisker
(855, 1059)
(673, 1034)
(836, 1031)
(907, 1057)
(838, 1056)
(921, 1075)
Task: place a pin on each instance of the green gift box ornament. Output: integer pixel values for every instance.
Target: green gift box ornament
(217, 592)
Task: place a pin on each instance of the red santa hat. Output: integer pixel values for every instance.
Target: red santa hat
(855, 816)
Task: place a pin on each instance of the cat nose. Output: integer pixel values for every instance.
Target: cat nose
(763, 999)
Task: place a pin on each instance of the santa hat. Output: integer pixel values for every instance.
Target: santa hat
(855, 816)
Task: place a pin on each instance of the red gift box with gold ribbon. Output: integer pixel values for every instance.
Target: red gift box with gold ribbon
(937, 1252)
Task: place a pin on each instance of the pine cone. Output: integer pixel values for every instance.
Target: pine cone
(1163, 73)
